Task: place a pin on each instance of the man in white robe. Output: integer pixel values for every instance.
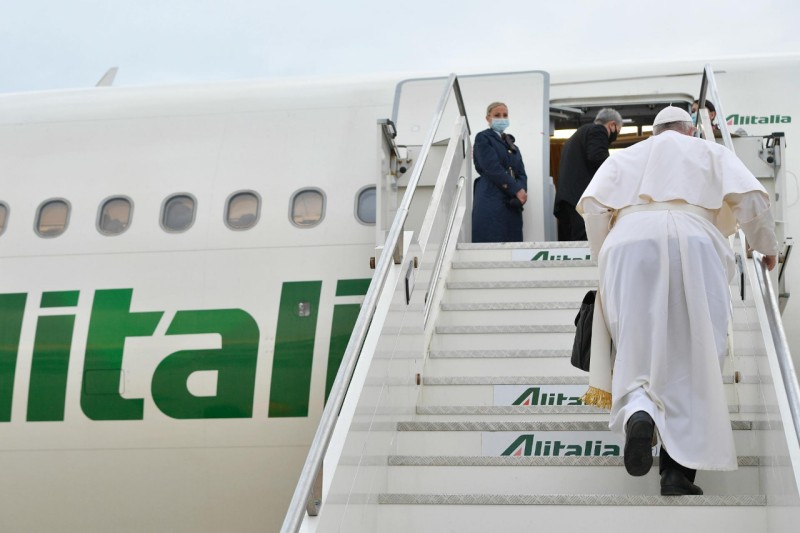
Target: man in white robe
(657, 217)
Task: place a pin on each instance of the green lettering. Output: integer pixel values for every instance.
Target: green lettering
(611, 449)
(529, 397)
(544, 255)
(235, 364)
(574, 449)
(12, 310)
(524, 441)
(344, 319)
(48, 384)
(110, 324)
(294, 349)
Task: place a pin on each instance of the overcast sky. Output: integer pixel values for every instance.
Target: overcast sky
(55, 44)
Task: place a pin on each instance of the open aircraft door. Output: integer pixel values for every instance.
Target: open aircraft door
(527, 95)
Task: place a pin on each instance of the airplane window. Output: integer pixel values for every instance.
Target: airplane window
(52, 218)
(178, 213)
(115, 216)
(3, 217)
(243, 210)
(365, 206)
(308, 208)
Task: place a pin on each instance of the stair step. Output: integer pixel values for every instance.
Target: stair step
(555, 479)
(531, 393)
(573, 499)
(517, 291)
(520, 410)
(481, 460)
(540, 380)
(466, 361)
(421, 425)
(584, 435)
(496, 317)
(464, 271)
(518, 250)
(582, 515)
(504, 354)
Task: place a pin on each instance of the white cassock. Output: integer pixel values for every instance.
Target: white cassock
(664, 274)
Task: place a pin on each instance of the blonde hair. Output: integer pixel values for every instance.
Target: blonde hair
(492, 106)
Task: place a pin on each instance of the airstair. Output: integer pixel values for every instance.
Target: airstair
(463, 412)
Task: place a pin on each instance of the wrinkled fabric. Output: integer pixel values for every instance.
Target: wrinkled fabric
(672, 166)
(667, 305)
(664, 277)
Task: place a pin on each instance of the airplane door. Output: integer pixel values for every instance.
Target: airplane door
(527, 95)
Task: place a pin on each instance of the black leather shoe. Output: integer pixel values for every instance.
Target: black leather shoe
(638, 453)
(674, 483)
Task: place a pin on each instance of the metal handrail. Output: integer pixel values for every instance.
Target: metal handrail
(785, 363)
(445, 243)
(322, 437)
(709, 84)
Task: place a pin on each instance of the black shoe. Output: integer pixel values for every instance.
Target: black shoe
(675, 483)
(638, 453)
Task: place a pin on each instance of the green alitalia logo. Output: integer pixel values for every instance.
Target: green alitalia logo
(549, 255)
(535, 396)
(527, 445)
(741, 120)
(112, 322)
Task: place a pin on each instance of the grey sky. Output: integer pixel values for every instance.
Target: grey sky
(54, 44)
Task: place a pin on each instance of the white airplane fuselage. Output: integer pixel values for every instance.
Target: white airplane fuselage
(172, 381)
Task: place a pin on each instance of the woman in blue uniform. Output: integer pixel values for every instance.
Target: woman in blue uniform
(501, 188)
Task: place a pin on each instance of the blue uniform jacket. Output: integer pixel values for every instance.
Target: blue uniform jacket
(493, 219)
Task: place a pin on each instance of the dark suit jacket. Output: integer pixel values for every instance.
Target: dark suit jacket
(582, 155)
(493, 219)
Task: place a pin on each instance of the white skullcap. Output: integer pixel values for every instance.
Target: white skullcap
(671, 114)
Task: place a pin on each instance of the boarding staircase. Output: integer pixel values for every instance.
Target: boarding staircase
(499, 440)
(462, 410)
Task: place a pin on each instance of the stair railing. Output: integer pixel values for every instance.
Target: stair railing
(709, 85)
(303, 499)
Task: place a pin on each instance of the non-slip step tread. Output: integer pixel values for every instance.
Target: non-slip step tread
(532, 245)
(530, 284)
(510, 306)
(550, 263)
(505, 425)
(546, 380)
(481, 460)
(491, 354)
(460, 410)
(571, 499)
(506, 380)
(480, 330)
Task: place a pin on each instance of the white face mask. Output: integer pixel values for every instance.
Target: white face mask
(499, 124)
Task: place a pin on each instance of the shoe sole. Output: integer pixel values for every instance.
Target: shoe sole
(638, 448)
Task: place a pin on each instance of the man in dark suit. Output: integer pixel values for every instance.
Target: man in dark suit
(582, 155)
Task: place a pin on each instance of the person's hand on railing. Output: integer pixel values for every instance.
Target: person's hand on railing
(770, 261)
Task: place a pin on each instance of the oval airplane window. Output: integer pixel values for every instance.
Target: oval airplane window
(52, 218)
(308, 208)
(3, 217)
(178, 213)
(365, 205)
(115, 216)
(242, 210)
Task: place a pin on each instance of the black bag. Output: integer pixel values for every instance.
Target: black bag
(582, 345)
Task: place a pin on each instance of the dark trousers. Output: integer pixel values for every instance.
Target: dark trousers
(570, 223)
(668, 462)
